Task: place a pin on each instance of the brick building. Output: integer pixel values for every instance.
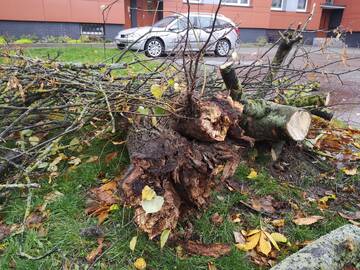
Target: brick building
(256, 18)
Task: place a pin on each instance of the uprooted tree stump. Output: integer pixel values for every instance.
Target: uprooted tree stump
(180, 159)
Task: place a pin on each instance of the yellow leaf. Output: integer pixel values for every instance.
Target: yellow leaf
(252, 241)
(132, 243)
(350, 171)
(272, 240)
(264, 245)
(147, 193)
(307, 220)
(34, 140)
(157, 91)
(278, 222)
(251, 232)
(140, 264)
(278, 237)
(164, 237)
(253, 174)
(114, 207)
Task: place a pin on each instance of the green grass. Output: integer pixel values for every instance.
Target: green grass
(23, 41)
(67, 216)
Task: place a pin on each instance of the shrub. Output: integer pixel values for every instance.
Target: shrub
(261, 41)
(24, 41)
(71, 40)
(2, 40)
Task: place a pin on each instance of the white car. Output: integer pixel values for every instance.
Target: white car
(169, 35)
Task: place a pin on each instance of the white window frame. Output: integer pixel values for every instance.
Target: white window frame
(193, 1)
(236, 4)
(280, 8)
(303, 10)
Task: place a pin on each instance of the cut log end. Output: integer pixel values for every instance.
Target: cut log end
(298, 125)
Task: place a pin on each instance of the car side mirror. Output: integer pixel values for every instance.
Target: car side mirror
(173, 29)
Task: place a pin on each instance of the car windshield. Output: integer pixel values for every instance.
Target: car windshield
(165, 22)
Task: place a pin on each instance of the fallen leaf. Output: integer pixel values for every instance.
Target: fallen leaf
(92, 159)
(152, 206)
(74, 161)
(95, 252)
(278, 222)
(253, 174)
(263, 204)
(132, 243)
(217, 219)
(164, 237)
(118, 143)
(147, 193)
(102, 216)
(350, 171)
(4, 231)
(350, 215)
(157, 91)
(307, 220)
(33, 140)
(264, 245)
(239, 238)
(272, 240)
(278, 237)
(252, 241)
(211, 266)
(140, 264)
(109, 157)
(211, 250)
(236, 218)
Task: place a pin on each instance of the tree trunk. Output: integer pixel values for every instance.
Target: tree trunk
(231, 81)
(264, 120)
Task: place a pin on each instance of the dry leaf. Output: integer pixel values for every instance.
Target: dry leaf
(350, 171)
(252, 241)
(263, 204)
(217, 219)
(307, 220)
(95, 252)
(236, 218)
(4, 231)
(110, 157)
(211, 266)
(140, 264)
(350, 215)
(132, 243)
(153, 206)
(264, 245)
(212, 250)
(239, 238)
(278, 222)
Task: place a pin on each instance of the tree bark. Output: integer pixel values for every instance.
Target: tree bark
(231, 81)
(265, 120)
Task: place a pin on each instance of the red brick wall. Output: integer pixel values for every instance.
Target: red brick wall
(258, 15)
(351, 15)
(61, 11)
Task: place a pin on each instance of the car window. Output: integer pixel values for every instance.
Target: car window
(165, 22)
(206, 22)
(180, 24)
(222, 23)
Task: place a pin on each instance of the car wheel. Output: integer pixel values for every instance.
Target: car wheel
(154, 47)
(222, 47)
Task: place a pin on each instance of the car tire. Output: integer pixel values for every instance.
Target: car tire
(223, 47)
(154, 47)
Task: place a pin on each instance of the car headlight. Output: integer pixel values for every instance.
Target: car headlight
(134, 36)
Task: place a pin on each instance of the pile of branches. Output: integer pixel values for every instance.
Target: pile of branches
(185, 131)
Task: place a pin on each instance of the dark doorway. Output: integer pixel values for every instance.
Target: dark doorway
(133, 13)
(335, 18)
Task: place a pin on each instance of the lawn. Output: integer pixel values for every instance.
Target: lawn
(66, 218)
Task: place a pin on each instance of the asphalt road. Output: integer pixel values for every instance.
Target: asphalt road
(344, 93)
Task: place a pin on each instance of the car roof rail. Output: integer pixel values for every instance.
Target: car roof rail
(203, 13)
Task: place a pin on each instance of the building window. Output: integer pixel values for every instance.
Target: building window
(277, 4)
(302, 4)
(236, 2)
(92, 29)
